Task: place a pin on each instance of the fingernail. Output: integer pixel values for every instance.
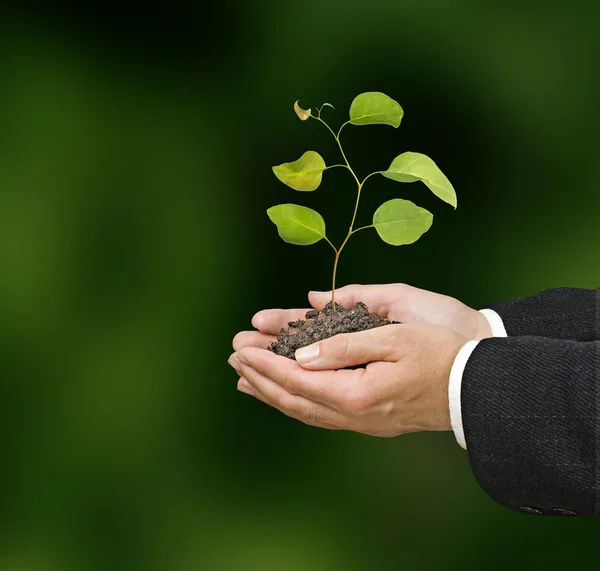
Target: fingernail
(317, 292)
(234, 362)
(241, 358)
(307, 354)
(244, 387)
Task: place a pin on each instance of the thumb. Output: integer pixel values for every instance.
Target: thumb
(349, 349)
(377, 298)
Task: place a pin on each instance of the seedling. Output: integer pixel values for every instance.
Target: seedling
(398, 222)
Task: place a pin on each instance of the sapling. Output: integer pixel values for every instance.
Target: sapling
(398, 222)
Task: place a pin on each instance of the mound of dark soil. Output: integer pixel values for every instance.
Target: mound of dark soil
(324, 323)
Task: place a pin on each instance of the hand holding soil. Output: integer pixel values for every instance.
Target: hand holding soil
(392, 302)
(403, 388)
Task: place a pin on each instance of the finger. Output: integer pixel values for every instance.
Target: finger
(245, 387)
(329, 388)
(252, 339)
(349, 349)
(295, 406)
(377, 298)
(271, 321)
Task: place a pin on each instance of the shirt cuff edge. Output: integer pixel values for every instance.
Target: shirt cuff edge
(495, 321)
(454, 390)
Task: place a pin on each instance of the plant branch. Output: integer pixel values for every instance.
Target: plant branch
(340, 131)
(319, 109)
(369, 176)
(334, 166)
(362, 228)
(337, 140)
(331, 244)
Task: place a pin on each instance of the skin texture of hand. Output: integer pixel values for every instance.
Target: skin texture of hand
(397, 302)
(404, 387)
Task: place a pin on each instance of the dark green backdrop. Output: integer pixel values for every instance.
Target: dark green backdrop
(135, 155)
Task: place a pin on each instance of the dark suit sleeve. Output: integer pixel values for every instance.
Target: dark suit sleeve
(562, 313)
(530, 410)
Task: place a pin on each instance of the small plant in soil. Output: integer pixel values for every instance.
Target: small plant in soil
(398, 222)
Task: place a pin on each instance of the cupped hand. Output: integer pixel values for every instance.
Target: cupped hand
(404, 388)
(397, 302)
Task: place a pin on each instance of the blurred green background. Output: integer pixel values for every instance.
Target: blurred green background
(135, 153)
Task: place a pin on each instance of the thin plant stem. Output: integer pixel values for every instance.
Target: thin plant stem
(335, 264)
(369, 176)
(319, 109)
(337, 140)
(359, 184)
(362, 228)
(340, 131)
(331, 244)
(355, 210)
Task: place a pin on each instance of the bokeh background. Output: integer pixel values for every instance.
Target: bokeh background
(135, 150)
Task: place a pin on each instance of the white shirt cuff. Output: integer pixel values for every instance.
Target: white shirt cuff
(458, 368)
(456, 373)
(495, 321)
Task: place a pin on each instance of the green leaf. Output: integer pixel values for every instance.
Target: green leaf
(373, 108)
(305, 174)
(401, 222)
(297, 224)
(410, 167)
